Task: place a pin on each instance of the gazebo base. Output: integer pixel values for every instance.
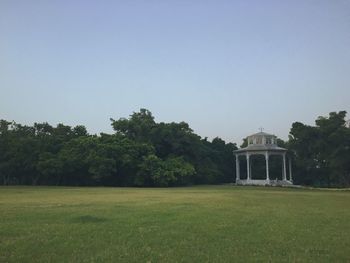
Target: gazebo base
(264, 182)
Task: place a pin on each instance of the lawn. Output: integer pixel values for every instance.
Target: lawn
(190, 224)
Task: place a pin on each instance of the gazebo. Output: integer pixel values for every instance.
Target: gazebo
(262, 144)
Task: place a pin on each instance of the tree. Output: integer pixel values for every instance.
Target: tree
(322, 151)
(157, 172)
(138, 127)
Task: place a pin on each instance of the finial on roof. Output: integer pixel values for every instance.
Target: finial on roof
(261, 129)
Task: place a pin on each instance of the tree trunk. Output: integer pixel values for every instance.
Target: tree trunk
(35, 179)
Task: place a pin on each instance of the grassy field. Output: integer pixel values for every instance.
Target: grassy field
(194, 224)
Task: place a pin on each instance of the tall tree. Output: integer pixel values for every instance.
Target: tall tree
(322, 151)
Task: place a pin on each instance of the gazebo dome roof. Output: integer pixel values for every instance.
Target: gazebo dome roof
(261, 141)
(261, 134)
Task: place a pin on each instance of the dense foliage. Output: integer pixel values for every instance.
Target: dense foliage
(322, 152)
(140, 153)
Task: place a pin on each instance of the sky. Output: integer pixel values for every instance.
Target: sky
(225, 67)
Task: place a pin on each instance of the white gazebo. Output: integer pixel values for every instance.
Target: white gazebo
(262, 144)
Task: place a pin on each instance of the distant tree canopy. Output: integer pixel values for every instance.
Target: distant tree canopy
(322, 152)
(140, 153)
(143, 152)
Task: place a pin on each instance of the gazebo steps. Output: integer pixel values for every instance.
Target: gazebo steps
(265, 182)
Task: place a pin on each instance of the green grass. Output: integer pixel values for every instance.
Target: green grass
(194, 224)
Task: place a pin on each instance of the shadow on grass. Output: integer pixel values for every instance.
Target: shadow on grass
(88, 219)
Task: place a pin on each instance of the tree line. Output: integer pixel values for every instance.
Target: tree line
(143, 152)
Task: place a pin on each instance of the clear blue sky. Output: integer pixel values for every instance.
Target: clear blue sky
(225, 67)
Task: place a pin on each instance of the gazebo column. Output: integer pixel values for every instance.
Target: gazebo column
(237, 168)
(290, 170)
(284, 174)
(248, 166)
(267, 166)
